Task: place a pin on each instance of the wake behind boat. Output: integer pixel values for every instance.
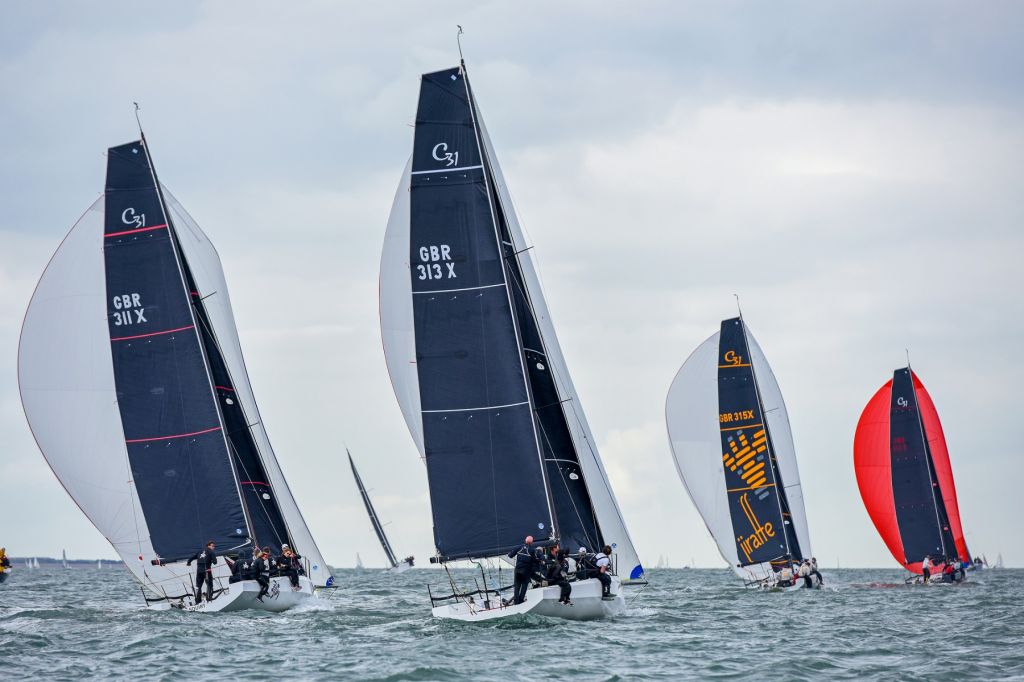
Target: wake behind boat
(733, 448)
(480, 377)
(906, 481)
(395, 565)
(134, 386)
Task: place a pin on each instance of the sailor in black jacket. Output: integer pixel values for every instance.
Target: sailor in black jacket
(261, 571)
(205, 559)
(526, 565)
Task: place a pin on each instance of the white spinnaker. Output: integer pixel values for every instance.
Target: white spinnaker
(397, 326)
(609, 516)
(206, 268)
(66, 380)
(691, 415)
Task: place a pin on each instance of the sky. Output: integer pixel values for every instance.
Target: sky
(850, 169)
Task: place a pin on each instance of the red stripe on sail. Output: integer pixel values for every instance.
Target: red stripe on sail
(176, 435)
(138, 229)
(142, 336)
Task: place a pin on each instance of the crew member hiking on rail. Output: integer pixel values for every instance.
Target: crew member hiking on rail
(558, 574)
(926, 568)
(526, 564)
(604, 570)
(290, 565)
(814, 571)
(261, 569)
(205, 559)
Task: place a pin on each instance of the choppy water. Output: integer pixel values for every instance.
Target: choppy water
(686, 624)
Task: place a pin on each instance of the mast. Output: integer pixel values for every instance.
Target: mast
(179, 260)
(779, 487)
(377, 526)
(508, 292)
(933, 482)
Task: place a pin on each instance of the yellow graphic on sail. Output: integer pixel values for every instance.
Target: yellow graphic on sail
(761, 533)
(741, 456)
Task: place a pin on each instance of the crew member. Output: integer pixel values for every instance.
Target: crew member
(584, 564)
(558, 574)
(290, 565)
(526, 563)
(926, 568)
(785, 576)
(805, 572)
(205, 560)
(814, 571)
(261, 571)
(603, 562)
(5, 563)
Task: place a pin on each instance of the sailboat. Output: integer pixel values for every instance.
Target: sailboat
(64, 558)
(396, 566)
(905, 477)
(359, 562)
(35, 562)
(999, 561)
(133, 383)
(99, 563)
(479, 375)
(732, 445)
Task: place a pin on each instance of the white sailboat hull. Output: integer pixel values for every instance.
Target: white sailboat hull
(588, 604)
(242, 595)
(400, 567)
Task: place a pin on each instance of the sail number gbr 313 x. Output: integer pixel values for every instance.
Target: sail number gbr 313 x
(436, 262)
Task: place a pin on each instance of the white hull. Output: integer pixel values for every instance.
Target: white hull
(543, 601)
(242, 595)
(401, 567)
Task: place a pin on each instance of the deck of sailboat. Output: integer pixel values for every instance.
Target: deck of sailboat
(587, 604)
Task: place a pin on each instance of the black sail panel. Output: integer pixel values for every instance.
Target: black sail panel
(268, 526)
(574, 511)
(377, 527)
(756, 495)
(920, 512)
(486, 483)
(176, 448)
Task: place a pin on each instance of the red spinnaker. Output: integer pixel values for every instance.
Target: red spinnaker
(872, 461)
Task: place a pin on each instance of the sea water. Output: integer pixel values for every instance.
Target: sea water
(83, 623)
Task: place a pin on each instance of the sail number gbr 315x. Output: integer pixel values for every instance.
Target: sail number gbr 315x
(436, 262)
(740, 416)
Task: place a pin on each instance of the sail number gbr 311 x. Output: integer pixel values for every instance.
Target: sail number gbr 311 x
(436, 262)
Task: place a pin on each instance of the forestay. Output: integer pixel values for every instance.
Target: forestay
(712, 400)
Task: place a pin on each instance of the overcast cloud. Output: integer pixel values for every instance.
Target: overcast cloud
(852, 170)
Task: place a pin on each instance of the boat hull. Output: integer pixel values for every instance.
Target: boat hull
(242, 595)
(587, 604)
(400, 567)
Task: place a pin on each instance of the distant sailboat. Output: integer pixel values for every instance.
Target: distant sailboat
(35, 562)
(999, 561)
(359, 562)
(478, 372)
(134, 386)
(905, 477)
(396, 566)
(64, 558)
(733, 448)
(99, 563)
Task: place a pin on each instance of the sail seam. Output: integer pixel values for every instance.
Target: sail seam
(446, 170)
(449, 291)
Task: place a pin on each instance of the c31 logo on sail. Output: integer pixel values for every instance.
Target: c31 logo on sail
(441, 153)
(902, 402)
(731, 358)
(129, 217)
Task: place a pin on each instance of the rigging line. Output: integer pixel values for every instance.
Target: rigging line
(561, 475)
(458, 40)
